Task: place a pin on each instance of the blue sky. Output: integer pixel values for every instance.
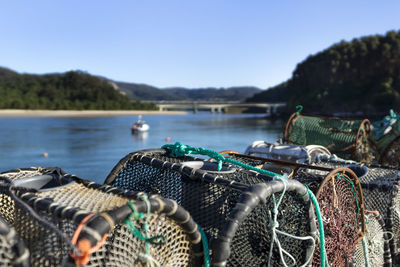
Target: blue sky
(190, 43)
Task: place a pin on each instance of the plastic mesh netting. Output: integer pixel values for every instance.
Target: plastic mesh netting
(65, 200)
(340, 200)
(12, 250)
(213, 197)
(348, 138)
(376, 242)
(380, 187)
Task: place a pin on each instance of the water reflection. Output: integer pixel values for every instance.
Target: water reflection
(140, 136)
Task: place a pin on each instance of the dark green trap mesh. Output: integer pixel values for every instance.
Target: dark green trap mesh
(347, 138)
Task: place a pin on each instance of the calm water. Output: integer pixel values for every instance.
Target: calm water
(90, 147)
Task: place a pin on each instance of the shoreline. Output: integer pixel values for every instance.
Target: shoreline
(82, 113)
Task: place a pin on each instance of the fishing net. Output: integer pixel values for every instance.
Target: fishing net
(348, 138)
(380, 185)
(374, 248)
(12, 250)
(340, 199)
(215, 197)
(47, 207)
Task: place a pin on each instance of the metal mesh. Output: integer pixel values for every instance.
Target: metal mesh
(211, 196)
(376, 240)
(64, 206)
(348, 138)
(380, 187)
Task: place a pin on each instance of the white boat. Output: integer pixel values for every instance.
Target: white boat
(140, 126)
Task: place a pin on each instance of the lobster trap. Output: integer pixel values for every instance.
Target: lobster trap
(232, 205)
(374, 249)
(347, 138)
(388, 145)
(62, 218)
(340, 199)
(12, 250)
(380, 185)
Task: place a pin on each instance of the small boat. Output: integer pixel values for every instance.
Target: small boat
(140, 126)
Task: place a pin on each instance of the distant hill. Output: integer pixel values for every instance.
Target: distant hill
(70, 90)
(146, 92)
(361, 75)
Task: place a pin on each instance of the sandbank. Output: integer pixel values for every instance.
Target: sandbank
(82, 113)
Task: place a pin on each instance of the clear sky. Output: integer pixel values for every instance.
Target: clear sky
(190, 43)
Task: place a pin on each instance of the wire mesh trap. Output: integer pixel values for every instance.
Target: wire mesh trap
(380, 185)
(228, 205)
(62, 218)
(340, 199)
(374, 249)
(12, 250)
(347, 138)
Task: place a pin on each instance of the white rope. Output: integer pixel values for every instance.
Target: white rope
(274, 224)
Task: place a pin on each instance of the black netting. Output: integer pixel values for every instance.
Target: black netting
(12, 250)
(211, 196)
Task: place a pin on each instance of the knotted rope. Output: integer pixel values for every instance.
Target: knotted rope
(135, 216)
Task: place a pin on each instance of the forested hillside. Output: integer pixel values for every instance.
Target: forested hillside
(361, 75)
(70, 90)
(147, 92)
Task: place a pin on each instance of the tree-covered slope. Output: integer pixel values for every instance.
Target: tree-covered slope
(147, 92)
(361, 75)
(70, 90)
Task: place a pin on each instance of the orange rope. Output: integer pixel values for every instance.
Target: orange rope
(84, 244)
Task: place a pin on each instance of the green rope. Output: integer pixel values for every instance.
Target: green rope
(299, 108)
(341, 176)
(180, 150)
(320, 226)
(134, 216)
(205, 247)
(365, 249)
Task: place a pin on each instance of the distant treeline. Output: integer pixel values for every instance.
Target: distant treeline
(147, 92)
(361, 75)
(70, 90)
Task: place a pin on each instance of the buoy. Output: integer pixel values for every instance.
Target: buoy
(45, 154)
(167, 139)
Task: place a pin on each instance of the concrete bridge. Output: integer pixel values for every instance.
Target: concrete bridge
(216, 106)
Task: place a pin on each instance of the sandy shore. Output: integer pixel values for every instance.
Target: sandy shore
(82, 113)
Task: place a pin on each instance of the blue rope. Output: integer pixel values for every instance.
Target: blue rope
(205, 247)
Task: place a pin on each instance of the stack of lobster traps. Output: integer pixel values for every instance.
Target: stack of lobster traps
(65, 220)
(250, 219)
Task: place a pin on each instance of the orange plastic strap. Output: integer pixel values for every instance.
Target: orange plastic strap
(84, 245)
(372, 211)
